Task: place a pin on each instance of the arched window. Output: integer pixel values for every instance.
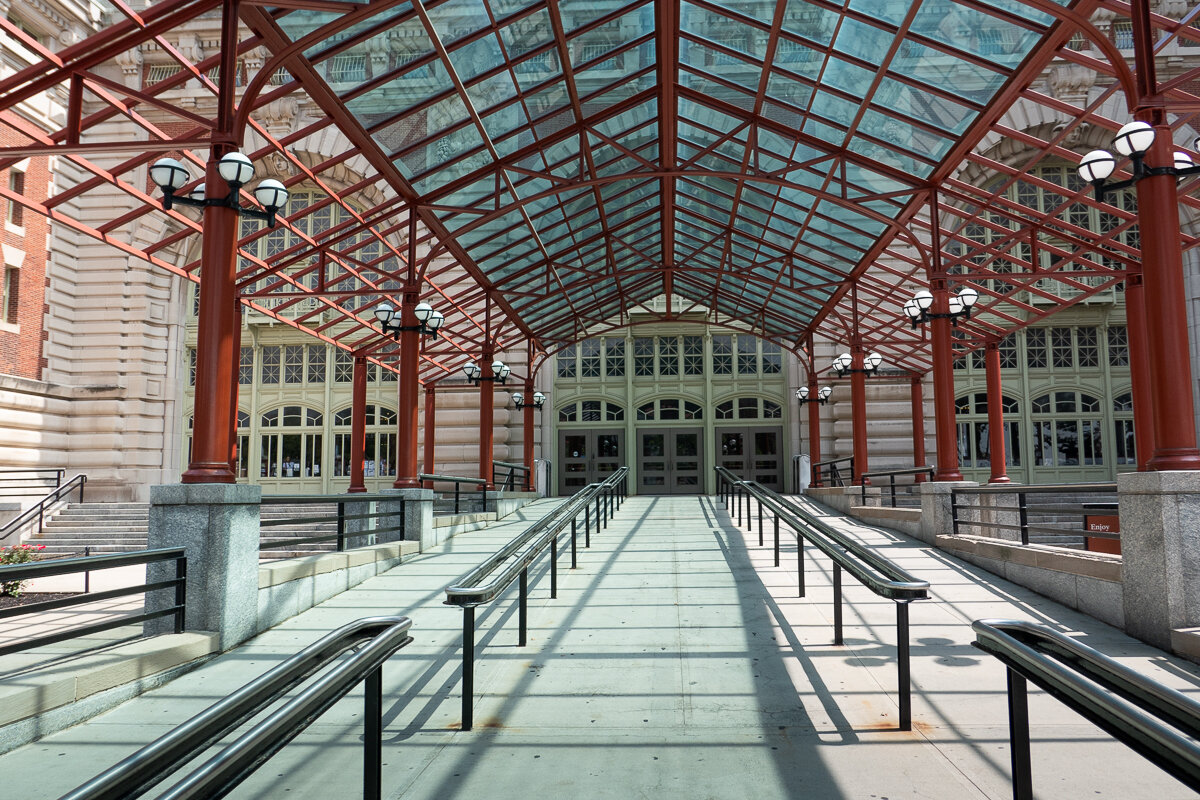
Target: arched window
(1067, 430)
(291, 442)
(974, 430)
(379, 447)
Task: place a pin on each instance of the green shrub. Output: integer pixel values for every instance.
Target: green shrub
(17, 554)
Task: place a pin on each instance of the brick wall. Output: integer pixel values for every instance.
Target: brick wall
(21, 351)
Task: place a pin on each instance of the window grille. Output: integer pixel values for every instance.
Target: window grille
(271, 356)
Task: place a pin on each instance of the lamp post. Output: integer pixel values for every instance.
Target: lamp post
(1161, 322)
(858, 365)
(538, 400)
(219, 325)
(494, 372)
(918, 309)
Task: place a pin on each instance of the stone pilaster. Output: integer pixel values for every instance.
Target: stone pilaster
(935, 508)
(217, 524)
(418, 516)
(1160, 549)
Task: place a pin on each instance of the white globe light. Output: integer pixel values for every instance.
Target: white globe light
(235, 168)
(435, 320)
(924, 299)
(874, 360)
(802, 393)
(1097, 166)
(956, 304)
(504, 371)
(1134, 138)
(384, 313)
(271, 194)
(825, 392)
(538, 398)
(518, 399)
(912, 310)
(1183, 160)
(169, 174)
(497, 365)
(967, 295)
(423, 311)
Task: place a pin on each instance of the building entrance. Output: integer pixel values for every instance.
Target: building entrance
(670, 461)
(753, 453)
(588, 456)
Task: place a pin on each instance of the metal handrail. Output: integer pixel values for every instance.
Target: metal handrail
(341, 518)
(1154, 720)
(458, 482)
(136, 774)
(513, 560)
(891, 475)
(39, 510)
(834, 472)
(510, 478)
(1023, 508)
(879, 574)
(68, 566)
(15, 471)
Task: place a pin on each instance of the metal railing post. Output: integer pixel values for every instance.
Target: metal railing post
(837, 604)
(554, 568)
(893, 477)
(341, 527)
(574, 546)
(776, 518)
(863, 483)
(760, 522)
(523, 610)
(902, 667)
(800, 563)
(87, 575)
(457, 489)
(373, 736)
(1023, 511)
(180, 593)
(483, 498)
(468, 669)
(954, 511)
(587, 525)
(599, 519)
(1018, 734)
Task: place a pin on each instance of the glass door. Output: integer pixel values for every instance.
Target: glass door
(753, 453)
(653, 473)
(687, 462)
(669, 461)
(587, 457)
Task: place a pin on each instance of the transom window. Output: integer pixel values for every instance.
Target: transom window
(749, 408)
(373, 415)
(591, 411)
(290, 416)
(670, 409)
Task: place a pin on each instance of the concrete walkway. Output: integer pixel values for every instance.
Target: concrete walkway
(676, 663)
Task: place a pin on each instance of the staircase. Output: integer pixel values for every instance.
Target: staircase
(104, 527)
(298, 530)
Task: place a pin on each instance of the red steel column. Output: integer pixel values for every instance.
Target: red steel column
(995, 401)
(527, 431)
(1139, 369)
(918, 423)
(1165, 314)
(217, 335)
(858, 411)
(487, 391)
(358, 425)
(430, 432)
(406, 438)
(814, 421)
(943, 388)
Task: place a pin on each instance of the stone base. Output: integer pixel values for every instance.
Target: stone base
(418, 516)
(1160, 547)
(936, 519)
(217, 524)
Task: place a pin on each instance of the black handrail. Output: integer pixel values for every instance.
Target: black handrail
(60, 491)
(68, 566)
(458, 482)
(1023, 508)
(514, 559)
(891, 475)
(341, 518)
(835, 475)
(379, 638)
(877, 573)
(1156, 721)
(509, 479)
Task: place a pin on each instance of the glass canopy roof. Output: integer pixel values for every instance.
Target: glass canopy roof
(554, 166)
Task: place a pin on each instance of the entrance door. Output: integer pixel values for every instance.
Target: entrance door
(753, 454)
(670, 461)
(588, 456)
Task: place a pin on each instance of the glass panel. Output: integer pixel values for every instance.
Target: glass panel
(687, 445)
(1067, 435)
(687, 480)
(1093, 445)
(614, 358)
(643, 356)
(1126, 451)
(732, 444)
(646, 411)
(668, 409)
(576, 446)
(1064, 402)
(591, 411)
(293, 364)
(693, 355)
(341, 455)
(269, 468)
(1043, 444)
(608, 446)
(983, 448)
(747, 355)
(589, 358)
(245, 366)
(270, 364)
(566, 362)
(1012, 443)
(387, 455)
(567, 413)
(766, 443)
(963, 440)
(312, 455)
(747, 408)
(654, 480)
(722, 347)
(289, 466)
(654, 445)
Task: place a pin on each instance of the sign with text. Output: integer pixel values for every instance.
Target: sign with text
(1103, 524)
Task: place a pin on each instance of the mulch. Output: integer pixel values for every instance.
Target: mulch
(27, 598)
